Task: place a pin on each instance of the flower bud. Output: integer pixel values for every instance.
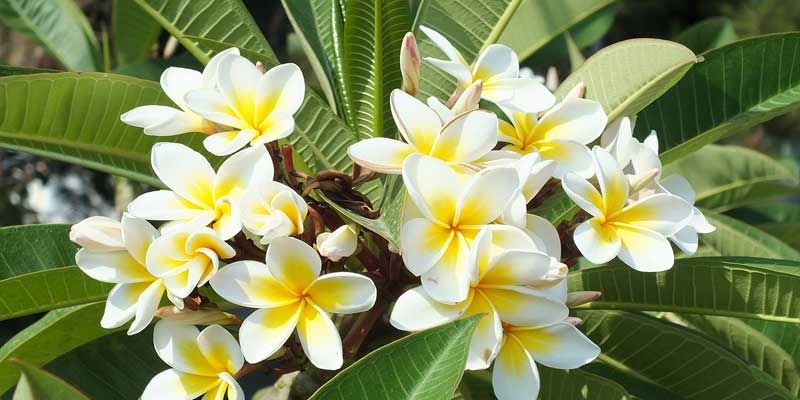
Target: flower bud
(98, 233)
(551, 80)
(469, 100)
(575, 299)
(202, 316)
(577, 91)
(337, 244)
(574, 321)
(409, 64)
(261, 68)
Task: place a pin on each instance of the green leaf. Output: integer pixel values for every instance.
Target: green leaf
(56, 333)
(75, 118)
(38, 272)
(59, 25)
(373, 32)
(736, 87)
(420, 366)
(727, 177)
(783, 334)
(627, 76)
(220, 20)
(786, 232)
(35, 383)
(469, 26)
(749, 344)
(768, 212)
(736, 238)
(728, 286)
(7, 70)
(539, 22)
(557, 384)
(708, 34)
(135, 32)
(557, 208)
(576, 59)
(675, 358)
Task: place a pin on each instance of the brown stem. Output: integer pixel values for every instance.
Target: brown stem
(370, 261)
(288, 161)
(247, 250)
(362, 327)
(250, 368)
(274, 154)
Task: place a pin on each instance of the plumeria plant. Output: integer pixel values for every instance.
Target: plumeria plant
(430, 221)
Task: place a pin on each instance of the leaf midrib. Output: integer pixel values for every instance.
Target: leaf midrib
(739, 183)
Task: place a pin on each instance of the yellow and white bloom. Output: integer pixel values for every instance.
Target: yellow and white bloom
(121, 260)
(560, 345)
(202, 363)
(176, 82)
(508, 283)
(560, 135)
(498, 67)
(272, 210)
(258, 107)
(461, 140)
(187, 258)
(436, 245)
(635, 231)
(618, 140)
(198, 194)
(533, 173)
(338, 244)
(290, 294)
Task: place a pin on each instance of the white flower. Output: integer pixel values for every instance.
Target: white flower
(560, 135)
(338, 244)
(635, 232)
(137, 291)
(461, 140)
(510, 281)
(187, 258)
(98, 233)
(198, 194)
(436, 245)
(203, 363)
(498, 67)
(176, 82)
(273, 210)
(560, 345)
(258, 107)
(290, 293)
(533, 173)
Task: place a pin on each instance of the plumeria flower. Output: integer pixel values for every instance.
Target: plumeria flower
(435, 246)
(202, 363)
(272, 210)
(507, 274)
(176, 82)
(258, 107)
(560, 345)
(121, 260)
(290, 294)
(498, 67)
(635, 232)
(560, 135)
(338, 244)
(198, 194)
(618, 140)
(187, 258)
(461, 140)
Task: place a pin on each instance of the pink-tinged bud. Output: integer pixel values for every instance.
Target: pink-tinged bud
(261, 68)
(551, 80)
(409, 64)
(574, 321)
(203, 316)
(575, 299)
(470, 99)
(577, 91)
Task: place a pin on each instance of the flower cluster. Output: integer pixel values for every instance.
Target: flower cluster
(469, 176)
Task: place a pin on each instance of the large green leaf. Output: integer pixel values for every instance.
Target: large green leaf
(557, 208)
(785, 335)
(726, 177)
(75, 118)
(470, 27)
(736, 238)
(749, 344)
(135, 32)
(35, 383)
(676, 359)
(373, 32)
(222, 20)
(539, 22)
(627, 76)
(728, 286)
(556, 384)
(59, 25)
(55, 334)
(38, 272)
(708, 34)
(737, 86)
(420, 366)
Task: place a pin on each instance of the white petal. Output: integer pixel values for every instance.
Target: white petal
(97, 233)
(467, 138)
(618, 139)
(210, 71)
(442, 43)
(575, 119)
(281, 88)
(417, 123)
(251, 167)
(173, 384)
(165, 205)
(293, 263)
(382, 155)
(250, 284)
(234, 391)
(185, 171)
(516, 267)
(266, 330)
(121, 304)
(496, 61)
(229, 222)
(570, 157)
(515, 211)
(662, 213)
(177, 81)
(583, 194)
(338, 244)
(598, 242)
(445, 114)
(533, 174)
(213, 106)
(278, 125)
(453, 68)
(449, 279)
(423, 244)
(415, 310)
(527, 95)
(137, 234)
(237, 78)
(146, 307)
(163, 120)
(226, 143)
(644, 250)
(433, 186)
(515, 376)
(320, 339)
(220, 349)
(680, 187)
(176, 344)
(111, 266)
(559, 345)
(686, 240)
(486, 195)
(545, 234)
(613, 184)
(488, 334)
(343, 293)
(521, 306)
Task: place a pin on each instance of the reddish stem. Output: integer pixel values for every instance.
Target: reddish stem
(352, 342)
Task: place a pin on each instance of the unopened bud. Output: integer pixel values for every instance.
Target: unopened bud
(577, 91)
(261, 68)
(409, 64)
(201, 316)
(470, 99)
(575, 299)
(574, 321)
(337, 244)
(551, 80)
(557, 272)
(641, 181)
(97, 233)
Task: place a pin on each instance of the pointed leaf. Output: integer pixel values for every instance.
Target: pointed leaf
(36, 383)
(708, 34)
(135, 32)
(736, 238)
